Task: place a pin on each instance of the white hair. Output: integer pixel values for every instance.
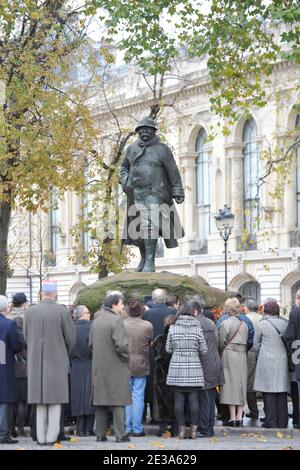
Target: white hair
(114, 292)
(78, 311)
(3, 303)
(159, 296)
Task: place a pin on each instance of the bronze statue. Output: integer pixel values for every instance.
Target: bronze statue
(151, 180)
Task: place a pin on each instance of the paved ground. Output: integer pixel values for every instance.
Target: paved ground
(246, 438)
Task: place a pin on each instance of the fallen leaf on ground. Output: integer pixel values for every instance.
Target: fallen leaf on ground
(224, 434)
(280, 434)
(213, 439)
(58, 445)
(288, 448)
(158, 444)
(131, 446)
(73, 439)
(166, 435)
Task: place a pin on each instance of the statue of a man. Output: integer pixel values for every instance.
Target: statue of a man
(151, 180)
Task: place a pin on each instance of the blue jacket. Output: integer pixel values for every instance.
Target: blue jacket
(248, 323)
(10, 343)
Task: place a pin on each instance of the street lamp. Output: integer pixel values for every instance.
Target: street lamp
(224, 222)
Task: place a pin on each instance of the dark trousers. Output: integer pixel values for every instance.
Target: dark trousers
(207, 411)
(6, 417)
(85, 424)
(193, 407)
(252, 403)
(295, 400)
(276, 410)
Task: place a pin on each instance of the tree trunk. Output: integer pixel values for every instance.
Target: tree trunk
(5, 215)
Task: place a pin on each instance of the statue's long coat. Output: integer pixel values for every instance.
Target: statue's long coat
(149, 175)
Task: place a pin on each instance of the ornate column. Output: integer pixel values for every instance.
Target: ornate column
(187, 164)
(235, 189)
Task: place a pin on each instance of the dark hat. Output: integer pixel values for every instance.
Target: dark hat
(19, 298)
(136, 308)
(146, 122)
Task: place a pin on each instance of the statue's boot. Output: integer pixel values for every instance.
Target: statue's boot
(150, 247)
(143, 258)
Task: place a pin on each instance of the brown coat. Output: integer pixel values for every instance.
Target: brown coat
(110, 364)
(50, 337)
(140, 334)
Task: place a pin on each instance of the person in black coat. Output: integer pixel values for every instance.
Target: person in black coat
(10, 343)
(292, 336)
(81, 374)
(156, 315)
(163, 398)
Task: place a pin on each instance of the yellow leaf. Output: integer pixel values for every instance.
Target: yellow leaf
(224, 434)
(73, 439)
(58, 445)
(131, 446)
(166, 435)
(288, 448)
(279, 434)
(158, 444)
(213, 439)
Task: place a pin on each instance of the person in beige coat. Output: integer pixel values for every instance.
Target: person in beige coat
(110, 368)
(233, 344)
(140, 334)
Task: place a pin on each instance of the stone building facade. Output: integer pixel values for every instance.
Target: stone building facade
(222, 171)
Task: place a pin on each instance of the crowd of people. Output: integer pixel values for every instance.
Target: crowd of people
(173, 363)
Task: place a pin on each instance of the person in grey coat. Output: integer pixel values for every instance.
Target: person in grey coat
(212, 369)
(50, 337)
(187, 344)
(110, 368)
(272, 375)
(292, 336)
(233, 345)
(81, 374)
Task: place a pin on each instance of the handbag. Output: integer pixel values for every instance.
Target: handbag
(291, 366)
(227, 343)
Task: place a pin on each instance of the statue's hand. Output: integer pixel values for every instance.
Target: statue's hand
(179, 199)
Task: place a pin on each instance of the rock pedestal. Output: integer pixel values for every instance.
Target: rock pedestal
(138, 285)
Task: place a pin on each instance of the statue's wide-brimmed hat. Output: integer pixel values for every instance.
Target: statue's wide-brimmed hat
(146, 122)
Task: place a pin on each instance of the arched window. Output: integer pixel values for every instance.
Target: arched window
(250, 289)
(298, 177)
(251, 165)
(203, 187)
(295, 287)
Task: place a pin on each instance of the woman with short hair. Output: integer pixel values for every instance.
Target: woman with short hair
(272, 375)
(233, 345)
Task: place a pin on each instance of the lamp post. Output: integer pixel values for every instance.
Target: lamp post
(224, 222)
